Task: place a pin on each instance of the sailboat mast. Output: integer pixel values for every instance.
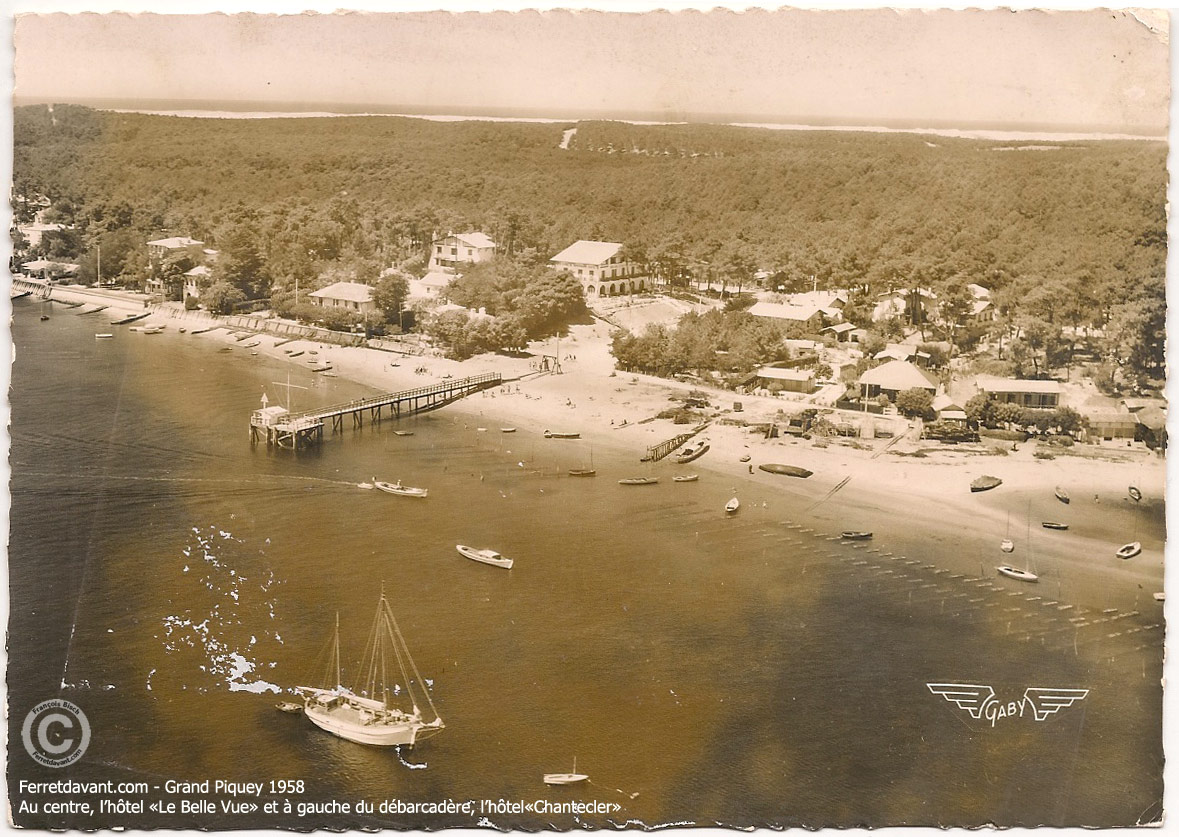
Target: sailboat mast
(336, 651)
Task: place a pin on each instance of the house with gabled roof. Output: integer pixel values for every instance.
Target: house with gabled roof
(895, 377)
(350, 296)
(449, 253)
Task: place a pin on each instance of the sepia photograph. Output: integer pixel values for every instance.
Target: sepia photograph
(587, 419)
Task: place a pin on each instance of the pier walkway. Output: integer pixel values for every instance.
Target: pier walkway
(295, 430)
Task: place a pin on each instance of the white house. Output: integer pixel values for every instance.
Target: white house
(449, 253)
(350, 296)
(429, 286)
(895, 377)
(809, 315)
(195, 280)
(600, 268)
(34, 232)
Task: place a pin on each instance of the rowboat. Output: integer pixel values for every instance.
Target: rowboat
(398, 488)
(690, 453)
(985, 483)
(685, 478)
(1160, 597)
(402, 432)
(785, 470)
(1134, 493)
(507, 430)
(857, 536)
(548, 434)
(104, 336)
(639, 481)
(288, 706)
(582, 472)
(1007, 545)
(1129, 550)
(745, 458)
(732, 505)
(1062, 495)
(1017, 573)
(484, 556)
(1048, 524)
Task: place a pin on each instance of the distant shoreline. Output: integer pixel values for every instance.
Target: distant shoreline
(951, 133)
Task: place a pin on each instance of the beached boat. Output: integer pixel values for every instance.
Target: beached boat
(1017, 573)
(856, 536)
(1049, 524)
(507, 430)
(685, 478)
(295, 354)
(182, 330)
(484, 556)
(18, 295)
(398, 488)
(785, 470)
(1134, 493)
(130, 318)
(548, 434)
(639, 481)
(402, 432)
(153, 329)
(745, 458)
(985, 483)
(1129, 550)
(1062, 495)
(566, 778)
(365, 713)
(690, 453)
(732, 505)
(1007, 545)
(1160, 597)
(106, 335)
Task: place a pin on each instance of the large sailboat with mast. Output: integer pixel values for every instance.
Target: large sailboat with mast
(368, 713)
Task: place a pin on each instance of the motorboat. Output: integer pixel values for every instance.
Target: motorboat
(1017, 573)
(484, 556)
(1129, 550)
(856, 536)
(785, 470)
(985, 483)
(1048, 524)
(288, 706)
(398, 488)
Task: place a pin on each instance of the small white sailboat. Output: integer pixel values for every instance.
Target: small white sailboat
(365, 715)
(566, 778)
(1017, 573)
(484, 556)
(732, 506)
(398, 488)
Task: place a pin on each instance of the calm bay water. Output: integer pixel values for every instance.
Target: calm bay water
(740, 671)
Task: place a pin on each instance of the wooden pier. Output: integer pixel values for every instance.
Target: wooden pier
(297, 430)
(657, 452)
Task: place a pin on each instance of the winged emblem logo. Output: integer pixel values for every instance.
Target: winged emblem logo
(980, 702)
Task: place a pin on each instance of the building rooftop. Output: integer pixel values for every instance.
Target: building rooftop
(899, 375)
(199, 270)
(477, 240)
(588, 252)
(778, 311)
(779, 374)
(175, 242)
(1015, 385)
(348, 291)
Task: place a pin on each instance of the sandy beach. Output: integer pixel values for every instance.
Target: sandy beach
(872, 479)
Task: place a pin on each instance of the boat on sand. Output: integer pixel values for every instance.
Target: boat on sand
(1130, 550)
(785, 470)
(732, 506)
(985, 483)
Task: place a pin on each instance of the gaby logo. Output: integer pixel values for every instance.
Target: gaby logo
(980, 702)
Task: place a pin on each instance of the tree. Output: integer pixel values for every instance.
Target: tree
(389, 295)
(916, 403)
(222, 297)
(980, 409)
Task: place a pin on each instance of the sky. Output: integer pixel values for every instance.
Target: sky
(1100, 70)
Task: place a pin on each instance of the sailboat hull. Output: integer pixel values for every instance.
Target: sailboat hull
(354, 723)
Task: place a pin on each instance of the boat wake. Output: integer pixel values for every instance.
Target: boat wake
(213, 637)
(409, 764)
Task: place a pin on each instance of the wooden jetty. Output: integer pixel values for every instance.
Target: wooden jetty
(657, 452)
(289, 430)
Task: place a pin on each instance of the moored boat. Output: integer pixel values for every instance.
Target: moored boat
(732, 505)
(565, 778)
(398, 488)
(1049, 524)
(1134, 493)
(548, 434)
(288, 706)
(1007, 545)
(785, 470)
(402, 432)
(484, 556)
(507, 430)
(1129, 550)
(1062, 495)
(106, 335)
(1017, 573)
(685, 478)
(582, 472)
(985, 483)
(639, 481)
(365, 714)
(856, 536)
